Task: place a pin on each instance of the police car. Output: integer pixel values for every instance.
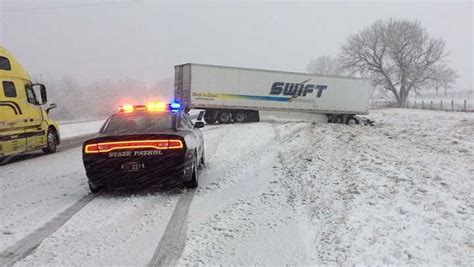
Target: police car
(144, 144)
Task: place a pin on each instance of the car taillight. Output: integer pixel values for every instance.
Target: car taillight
(91, 148)
(151, 144)
(175, 144)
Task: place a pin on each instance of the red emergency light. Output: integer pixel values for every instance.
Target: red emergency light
(150, 107)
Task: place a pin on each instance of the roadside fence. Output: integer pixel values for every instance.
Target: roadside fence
(460, 105)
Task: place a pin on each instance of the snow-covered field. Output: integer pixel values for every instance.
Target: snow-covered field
(273, 193)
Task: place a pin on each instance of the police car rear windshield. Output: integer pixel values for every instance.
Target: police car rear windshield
(140, 123)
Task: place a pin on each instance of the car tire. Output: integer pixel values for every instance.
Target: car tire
(51, 142)
(94, 189)
(224, 117)
(202, 164)
(193, 183)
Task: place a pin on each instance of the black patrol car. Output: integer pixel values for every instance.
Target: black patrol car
(140, 145)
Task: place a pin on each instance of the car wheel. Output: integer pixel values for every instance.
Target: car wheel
(203, 161)
(224, 117)
(51, 143)
(94, 189)
(193, 183)
(240, 117)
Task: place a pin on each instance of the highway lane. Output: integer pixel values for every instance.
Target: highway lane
(42, 193)
(49, 217)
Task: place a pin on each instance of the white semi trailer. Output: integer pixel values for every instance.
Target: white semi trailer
(230, 94)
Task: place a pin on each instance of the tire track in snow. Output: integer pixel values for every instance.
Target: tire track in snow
(172, 242)
(336, 148)
(243, 211)
(27, 245)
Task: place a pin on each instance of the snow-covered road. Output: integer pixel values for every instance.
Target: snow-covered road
(273, 193)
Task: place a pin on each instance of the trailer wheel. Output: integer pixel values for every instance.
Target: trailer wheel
(351, 120)
(330, 118)
(240, 117)
(338, 119)
(224, 117)
(210, 116)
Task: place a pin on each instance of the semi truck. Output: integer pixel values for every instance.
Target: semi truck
(231, 94)
(24, 121)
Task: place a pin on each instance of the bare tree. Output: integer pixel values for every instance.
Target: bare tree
(398, 56)
(325, 65)
(443, 77)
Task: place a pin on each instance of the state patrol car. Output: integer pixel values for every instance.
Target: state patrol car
(145, 144)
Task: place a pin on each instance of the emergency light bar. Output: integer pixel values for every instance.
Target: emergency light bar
(151, 107)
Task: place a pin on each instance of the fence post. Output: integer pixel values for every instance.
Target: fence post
(441, 105)
(465, 105)
(422, 104)
(452, 104)
(431, 104)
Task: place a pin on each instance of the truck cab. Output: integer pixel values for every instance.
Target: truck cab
(24, 122)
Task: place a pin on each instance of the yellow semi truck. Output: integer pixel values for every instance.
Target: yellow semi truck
(24, 122)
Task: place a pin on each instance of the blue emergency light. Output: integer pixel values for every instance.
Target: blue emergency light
(175, 106)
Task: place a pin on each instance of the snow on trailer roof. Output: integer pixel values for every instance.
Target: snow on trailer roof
(266, 70)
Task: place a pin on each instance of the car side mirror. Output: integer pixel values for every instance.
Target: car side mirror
(200, 115)
(44, 96)
(198, 124)
(51, 106)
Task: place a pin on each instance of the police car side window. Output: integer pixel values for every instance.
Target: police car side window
(9, 89)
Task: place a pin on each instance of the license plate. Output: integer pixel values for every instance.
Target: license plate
(133, 166)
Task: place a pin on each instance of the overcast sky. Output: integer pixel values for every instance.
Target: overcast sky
(145, 39)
